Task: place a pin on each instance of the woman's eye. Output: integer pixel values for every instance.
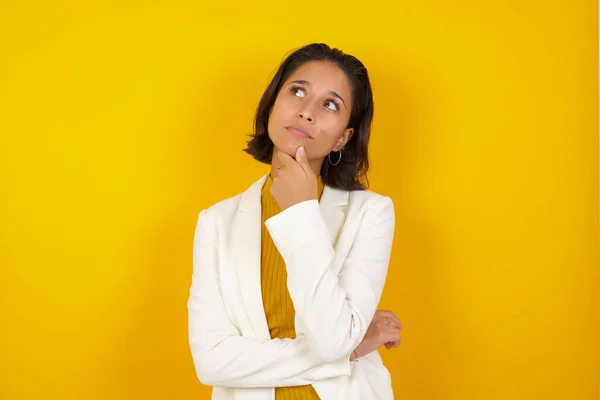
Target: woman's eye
(331, 105)
(298, 91)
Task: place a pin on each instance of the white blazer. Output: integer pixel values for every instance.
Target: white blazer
(336, 252)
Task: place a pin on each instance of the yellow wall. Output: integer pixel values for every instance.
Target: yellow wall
(118, 122)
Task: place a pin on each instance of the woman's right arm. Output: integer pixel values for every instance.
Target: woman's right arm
(222, 357)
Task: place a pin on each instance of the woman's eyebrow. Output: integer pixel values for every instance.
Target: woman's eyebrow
(331, 92)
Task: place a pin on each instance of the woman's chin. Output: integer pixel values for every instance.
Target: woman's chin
(289, 148)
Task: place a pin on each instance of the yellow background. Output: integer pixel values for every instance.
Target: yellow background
(119, 121)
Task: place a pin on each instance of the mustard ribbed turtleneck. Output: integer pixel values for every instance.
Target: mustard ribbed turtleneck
(279, 308)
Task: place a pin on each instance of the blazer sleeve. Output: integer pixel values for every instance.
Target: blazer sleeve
(336, 309)
(223, 357)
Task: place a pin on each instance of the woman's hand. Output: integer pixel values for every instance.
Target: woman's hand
(294, 181)
(383, 330)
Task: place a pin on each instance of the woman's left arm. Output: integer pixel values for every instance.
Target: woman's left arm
(336, 309)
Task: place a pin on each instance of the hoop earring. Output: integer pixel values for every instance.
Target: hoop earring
(339, 159)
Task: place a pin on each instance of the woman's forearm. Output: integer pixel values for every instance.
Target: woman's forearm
(236, 361)
(336, 310)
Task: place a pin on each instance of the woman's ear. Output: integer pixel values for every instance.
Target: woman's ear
(343, 139)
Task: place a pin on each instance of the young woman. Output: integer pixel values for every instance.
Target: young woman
(288, 274)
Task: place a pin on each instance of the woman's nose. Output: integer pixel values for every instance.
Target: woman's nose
(306, 116)
(306, 113)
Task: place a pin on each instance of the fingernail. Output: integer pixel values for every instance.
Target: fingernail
(301, 150)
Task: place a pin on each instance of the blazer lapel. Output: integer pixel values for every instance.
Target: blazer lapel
(247, 247)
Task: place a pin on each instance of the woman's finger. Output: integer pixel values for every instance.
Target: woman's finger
(392, 345)
(285, 160)
(391, 317)
(390, 314)
(390, 335)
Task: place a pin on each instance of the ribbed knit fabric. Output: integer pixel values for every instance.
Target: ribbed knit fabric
(278, 305)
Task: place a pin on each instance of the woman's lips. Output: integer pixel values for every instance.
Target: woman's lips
(298, 132)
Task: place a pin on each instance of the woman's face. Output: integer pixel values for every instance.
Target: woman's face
(312, 110)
